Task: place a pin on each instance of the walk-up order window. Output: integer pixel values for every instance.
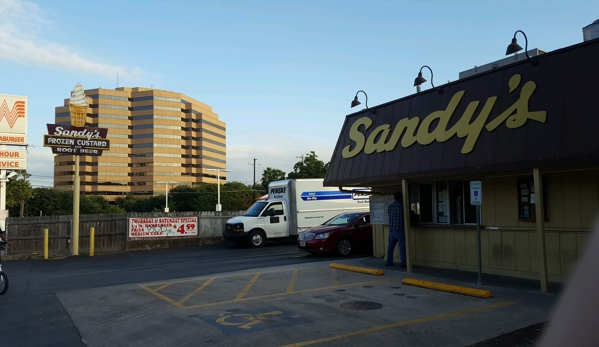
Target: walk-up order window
(441, 202)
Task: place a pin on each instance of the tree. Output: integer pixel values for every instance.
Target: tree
(309, 167)
(19, 191)
(184, 198)
(271, 175)
(50, 202)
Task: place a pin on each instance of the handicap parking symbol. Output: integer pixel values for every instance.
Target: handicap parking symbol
(247, 321)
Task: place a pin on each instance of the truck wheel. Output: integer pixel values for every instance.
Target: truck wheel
(343, 247)
(257, 239)
(241, 243)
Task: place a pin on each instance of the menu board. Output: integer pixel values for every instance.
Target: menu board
(378, 208)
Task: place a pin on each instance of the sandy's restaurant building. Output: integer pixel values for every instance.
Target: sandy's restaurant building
(527, 128)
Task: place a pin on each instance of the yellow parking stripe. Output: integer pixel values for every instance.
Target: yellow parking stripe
(247, 287)
(196, 291)
(163, 297)
(292, 282)
(273, 295)
(395, 325)
(163, 286)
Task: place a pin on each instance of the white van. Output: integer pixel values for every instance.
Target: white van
(292, 207)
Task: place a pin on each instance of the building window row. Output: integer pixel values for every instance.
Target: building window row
(155, 126)
(168, 155)
(203, 121)
(155, 107)
(120, 136)
(151, 97)
(154, 145)
(155, 116)
(114, 107)
(203, 157)
(149, 136)
(203, 148)
(113, 116)
(110, 97)
(114, 126)
(191, 138)
(109, 173)
(212, 133)
(111, 164)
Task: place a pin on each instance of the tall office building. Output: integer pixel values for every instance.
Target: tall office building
(155, 136)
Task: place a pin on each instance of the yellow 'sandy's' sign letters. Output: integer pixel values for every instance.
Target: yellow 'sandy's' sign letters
(381, 139)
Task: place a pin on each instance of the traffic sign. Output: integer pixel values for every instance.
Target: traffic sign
(476, 193)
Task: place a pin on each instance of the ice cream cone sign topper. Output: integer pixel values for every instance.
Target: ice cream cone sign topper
(78, 106)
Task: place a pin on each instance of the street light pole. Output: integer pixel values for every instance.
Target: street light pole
(218, 206)
(166, 192)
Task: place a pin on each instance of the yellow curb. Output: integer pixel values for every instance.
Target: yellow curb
(363, 270)
(448, 288)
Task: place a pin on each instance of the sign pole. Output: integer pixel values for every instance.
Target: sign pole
(476, 198)
(478, 246)
(76, 191)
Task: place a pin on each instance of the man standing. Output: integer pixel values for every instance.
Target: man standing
(397, 232)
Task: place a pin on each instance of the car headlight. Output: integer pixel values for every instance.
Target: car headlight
(322, 236)
(238, 228)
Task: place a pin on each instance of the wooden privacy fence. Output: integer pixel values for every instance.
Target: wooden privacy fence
(26, 235)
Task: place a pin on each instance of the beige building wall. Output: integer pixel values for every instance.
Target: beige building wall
(155, 136)
(509, 246)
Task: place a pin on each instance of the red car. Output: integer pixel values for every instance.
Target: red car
(342, 234)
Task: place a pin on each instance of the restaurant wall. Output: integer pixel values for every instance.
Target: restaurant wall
(509, 246)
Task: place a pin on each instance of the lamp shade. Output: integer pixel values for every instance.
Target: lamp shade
(513, 47)
(355, 102)
(419, 80)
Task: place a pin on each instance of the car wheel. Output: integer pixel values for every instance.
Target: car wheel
(343, 247)
(241, 243)
(257, 239)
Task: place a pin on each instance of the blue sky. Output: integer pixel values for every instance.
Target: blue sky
(281, 74)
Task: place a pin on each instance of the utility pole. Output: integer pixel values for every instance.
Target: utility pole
(254, 182)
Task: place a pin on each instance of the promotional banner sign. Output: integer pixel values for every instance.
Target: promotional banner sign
(13, 120)
(163, 227)
(66, 139)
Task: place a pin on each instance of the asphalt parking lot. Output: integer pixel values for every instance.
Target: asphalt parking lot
(300, 305)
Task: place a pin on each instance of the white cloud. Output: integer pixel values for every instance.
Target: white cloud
(20, 23)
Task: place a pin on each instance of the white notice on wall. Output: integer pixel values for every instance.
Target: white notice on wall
(377, 209)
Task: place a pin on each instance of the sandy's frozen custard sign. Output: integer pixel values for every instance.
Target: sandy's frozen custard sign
(77, 139)
(385, 137)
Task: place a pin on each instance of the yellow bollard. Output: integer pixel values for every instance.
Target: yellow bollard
(92, 231)
(45, 244)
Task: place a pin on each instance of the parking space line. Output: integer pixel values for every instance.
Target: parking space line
(279, 294)
(163, 297)
(196, 291)
(292, 282)
(247, 287)
(399, 324)
(164, 286)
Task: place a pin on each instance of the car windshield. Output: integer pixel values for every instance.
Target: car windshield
(342, 219)
(255, 209)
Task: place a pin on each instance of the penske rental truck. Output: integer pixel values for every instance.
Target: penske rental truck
(293, 206)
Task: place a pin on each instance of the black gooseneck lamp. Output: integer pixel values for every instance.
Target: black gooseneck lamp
(419, 80)
(355, 102)
(515, 47)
